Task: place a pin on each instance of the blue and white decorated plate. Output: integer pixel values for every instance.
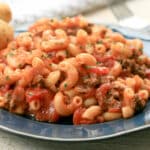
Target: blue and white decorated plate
(59, 132)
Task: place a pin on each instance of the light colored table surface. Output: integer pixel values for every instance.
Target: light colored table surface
(140, 8)
(139, 140)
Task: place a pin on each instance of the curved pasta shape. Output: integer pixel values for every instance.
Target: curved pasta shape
(128, 96)
(34, 105)
(139, 82)
(82, 36)
(117, 37)
(25, 39)
(146, 85)
(60, 34)
(90, 101)
(66, 109)
(18, 110)
(127, 111)
(71, 73)
(73, 49)
(59, 42)
(128, 103)
(17, 103)
(10, 76)
(75, 103)
(27, 76)
(39, 66)
(117, 49)
(135, 83)
(100, 49)
(137, 44)
(120, 50)
(54, 66)
(92, 112)
(130, 82)
(85, 58)
(61, 55)
(47, 34)
(116, 69)
(54, 44)
(142, 59)
(108, 116)
(89, 48)
(143, 94)
(70, 93)
(52, 79)
(2, 101)
(72, 61)
(37, 63)
(42, 25)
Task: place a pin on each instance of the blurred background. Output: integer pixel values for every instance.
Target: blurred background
(27, 11)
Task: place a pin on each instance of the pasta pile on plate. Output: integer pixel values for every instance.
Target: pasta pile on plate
(74, 68)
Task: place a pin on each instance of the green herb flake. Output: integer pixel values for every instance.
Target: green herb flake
(11, 54)
(81, 47)
(13, 48)
(30, 35)
(30, 94)
(30, 52)
(20, 66)
(88, 45)
(100, 42)
(50, 65)
(64, 17)
(7, 40)
(107, 37)
(65, 85)
(51, 20)
(7, 77)
(8, 96)
(3, 31)
(87, 67)
(44, 56)
(85, 77)
(67, 53)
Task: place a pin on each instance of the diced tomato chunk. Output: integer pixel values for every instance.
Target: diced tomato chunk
(77, 116)
(108, 61)
(35, 94)
(103, 89)
(147, 73)
(114, 110)
(90, 93)
(54, 116)
(99, 70)
(5, 88)
(48, 113)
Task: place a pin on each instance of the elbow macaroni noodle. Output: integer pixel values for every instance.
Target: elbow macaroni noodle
(70, 67)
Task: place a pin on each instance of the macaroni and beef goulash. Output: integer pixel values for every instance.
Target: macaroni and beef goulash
(74, 68)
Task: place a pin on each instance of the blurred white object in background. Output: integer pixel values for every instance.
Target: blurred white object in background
(126, 17)
(27, 11)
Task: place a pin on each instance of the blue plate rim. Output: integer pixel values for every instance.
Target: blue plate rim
(73, 139)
